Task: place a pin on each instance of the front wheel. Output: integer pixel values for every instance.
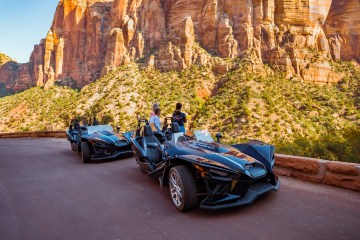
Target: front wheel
(73, 146)
(182, 187)
(85, 152)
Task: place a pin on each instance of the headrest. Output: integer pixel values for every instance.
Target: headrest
(175, 127)
(77, 125)
(148, 131)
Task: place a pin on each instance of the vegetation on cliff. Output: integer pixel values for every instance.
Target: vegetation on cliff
(4, 58)
(37, 109)
(299, 118)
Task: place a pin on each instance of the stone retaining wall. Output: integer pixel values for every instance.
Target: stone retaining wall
(341, 174)
(50, 134)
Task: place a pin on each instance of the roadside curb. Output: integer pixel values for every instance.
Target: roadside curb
(39, 134)
(340, 174)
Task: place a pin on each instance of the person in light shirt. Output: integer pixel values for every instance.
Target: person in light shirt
(155, 105)
(155, 119)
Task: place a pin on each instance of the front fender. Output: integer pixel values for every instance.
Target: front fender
(261, 151)
(191, 161)
(71, 135)
(127, 135)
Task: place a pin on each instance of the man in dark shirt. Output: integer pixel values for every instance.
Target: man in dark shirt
(179, 117)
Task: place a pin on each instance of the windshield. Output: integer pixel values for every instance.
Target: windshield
(203, 135)
(98, 128)
(179, 137)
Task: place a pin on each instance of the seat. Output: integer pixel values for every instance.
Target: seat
(175, 127)
(152, 154)
(77, 125)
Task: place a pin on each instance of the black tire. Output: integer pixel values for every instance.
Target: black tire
(85, 152)
(73, 147)
(184, 194)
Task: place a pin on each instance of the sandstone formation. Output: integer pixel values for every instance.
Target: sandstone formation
(90, 37)
(343, 29)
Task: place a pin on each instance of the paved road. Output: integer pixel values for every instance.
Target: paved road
(46, 192)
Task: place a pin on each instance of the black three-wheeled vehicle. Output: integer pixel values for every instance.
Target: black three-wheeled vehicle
(98, 142)
(200, 170)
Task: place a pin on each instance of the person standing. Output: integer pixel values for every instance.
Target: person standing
(179, 117)
(155, 106)
(155, 119)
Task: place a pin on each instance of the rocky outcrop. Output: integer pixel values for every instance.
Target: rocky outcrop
(343, 29)
(15, 76)
(78, 40)
(90, 37)
(75, 46)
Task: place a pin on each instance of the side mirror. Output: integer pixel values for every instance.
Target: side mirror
(117, 129)
(218, 137)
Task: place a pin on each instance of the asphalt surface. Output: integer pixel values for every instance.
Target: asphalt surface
(46, 192)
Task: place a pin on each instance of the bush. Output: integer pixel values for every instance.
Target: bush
(337, 146)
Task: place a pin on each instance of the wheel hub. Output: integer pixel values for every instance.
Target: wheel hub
(175, 189)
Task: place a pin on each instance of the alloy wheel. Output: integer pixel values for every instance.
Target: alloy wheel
(175, 189)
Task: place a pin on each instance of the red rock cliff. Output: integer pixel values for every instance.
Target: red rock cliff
(90, 37)
(343, 29)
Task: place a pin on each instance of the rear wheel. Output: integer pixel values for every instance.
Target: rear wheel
(182, 187)
(85, 152)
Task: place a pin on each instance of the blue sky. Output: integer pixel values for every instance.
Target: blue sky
(23, 23)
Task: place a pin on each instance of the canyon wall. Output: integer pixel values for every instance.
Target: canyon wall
(343, 29)
(88, 38)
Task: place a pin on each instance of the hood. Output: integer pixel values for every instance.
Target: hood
(214, 154)
(103, 136)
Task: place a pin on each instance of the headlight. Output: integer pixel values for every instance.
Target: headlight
(220, 173)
